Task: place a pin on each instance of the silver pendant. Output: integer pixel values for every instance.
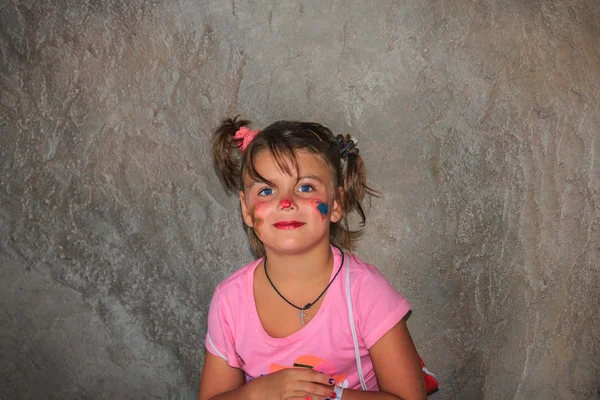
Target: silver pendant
(301, 315)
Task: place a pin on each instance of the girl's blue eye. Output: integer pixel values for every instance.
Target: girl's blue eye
(306, 188)
(266, 192)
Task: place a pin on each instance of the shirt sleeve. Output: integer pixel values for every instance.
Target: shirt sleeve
(219, 337)
(378, 305)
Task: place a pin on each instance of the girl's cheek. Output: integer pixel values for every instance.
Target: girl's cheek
(257, 220)
(320, 207)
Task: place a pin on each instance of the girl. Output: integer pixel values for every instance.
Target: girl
(306, 320)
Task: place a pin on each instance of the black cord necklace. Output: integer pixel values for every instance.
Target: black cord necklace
(309, 305)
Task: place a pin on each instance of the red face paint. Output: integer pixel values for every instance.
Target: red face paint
(285, 204)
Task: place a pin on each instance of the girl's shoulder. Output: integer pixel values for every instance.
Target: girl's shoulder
(363, 272)
(367, 281)
(237, 281)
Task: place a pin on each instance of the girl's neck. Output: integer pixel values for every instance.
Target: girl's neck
(302, 267)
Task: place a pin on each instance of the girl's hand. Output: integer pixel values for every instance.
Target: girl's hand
(294, 384)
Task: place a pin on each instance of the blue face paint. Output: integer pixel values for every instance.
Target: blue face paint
(323, 209)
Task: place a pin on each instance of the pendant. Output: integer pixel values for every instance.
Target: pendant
(301, 315)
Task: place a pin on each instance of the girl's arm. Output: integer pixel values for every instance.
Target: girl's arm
(220, 381)
(397, 367)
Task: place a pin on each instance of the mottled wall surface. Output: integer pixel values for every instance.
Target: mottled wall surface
(479, 121)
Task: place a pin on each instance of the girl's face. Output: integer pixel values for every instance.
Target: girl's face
(294, 213)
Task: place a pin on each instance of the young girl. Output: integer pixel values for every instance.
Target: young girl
(306, 320)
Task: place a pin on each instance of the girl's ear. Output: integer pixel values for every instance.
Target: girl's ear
(337, 211)
(245, 212)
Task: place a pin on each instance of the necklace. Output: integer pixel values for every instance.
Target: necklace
(301, 315)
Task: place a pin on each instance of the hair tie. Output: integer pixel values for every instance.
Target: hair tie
(244, 136)
(346, 145)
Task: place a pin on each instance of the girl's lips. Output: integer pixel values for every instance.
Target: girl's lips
(288, 224)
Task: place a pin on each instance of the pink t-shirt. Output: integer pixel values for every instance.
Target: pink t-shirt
(325, 343)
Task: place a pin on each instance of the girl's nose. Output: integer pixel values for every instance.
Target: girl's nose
(285, 204)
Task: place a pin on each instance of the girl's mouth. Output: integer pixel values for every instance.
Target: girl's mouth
(288, 225)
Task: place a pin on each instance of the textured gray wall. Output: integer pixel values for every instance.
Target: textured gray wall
(479, 121)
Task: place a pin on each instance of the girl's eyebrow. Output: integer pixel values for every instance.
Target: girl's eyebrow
(314, 177)
(256, 183)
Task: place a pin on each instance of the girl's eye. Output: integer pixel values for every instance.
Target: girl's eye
(266, 192)
(306, 188)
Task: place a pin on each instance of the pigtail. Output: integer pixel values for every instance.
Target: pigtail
(226, 152)
(355, 190)
(355, 185)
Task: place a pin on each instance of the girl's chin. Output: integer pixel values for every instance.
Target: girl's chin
(287, 246)
(292, 246)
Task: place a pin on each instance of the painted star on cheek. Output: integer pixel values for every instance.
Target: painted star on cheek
(321, 207)
(256, 220)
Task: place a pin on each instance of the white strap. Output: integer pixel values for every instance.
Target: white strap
(363, 385)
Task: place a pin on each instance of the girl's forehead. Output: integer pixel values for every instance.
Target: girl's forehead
(303, 159)
(305, 163)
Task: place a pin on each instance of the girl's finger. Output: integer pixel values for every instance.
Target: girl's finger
(316, 377)
(316, 390)
(307, 397)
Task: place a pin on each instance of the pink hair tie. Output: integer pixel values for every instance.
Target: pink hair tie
(244, 136)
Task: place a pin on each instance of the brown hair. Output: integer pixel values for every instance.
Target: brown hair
(283, 139)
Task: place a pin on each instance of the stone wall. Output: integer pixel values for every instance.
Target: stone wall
(478, 121)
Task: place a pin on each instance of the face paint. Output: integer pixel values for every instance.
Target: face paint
(285, 204)
(321, 207)
(256, 220)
